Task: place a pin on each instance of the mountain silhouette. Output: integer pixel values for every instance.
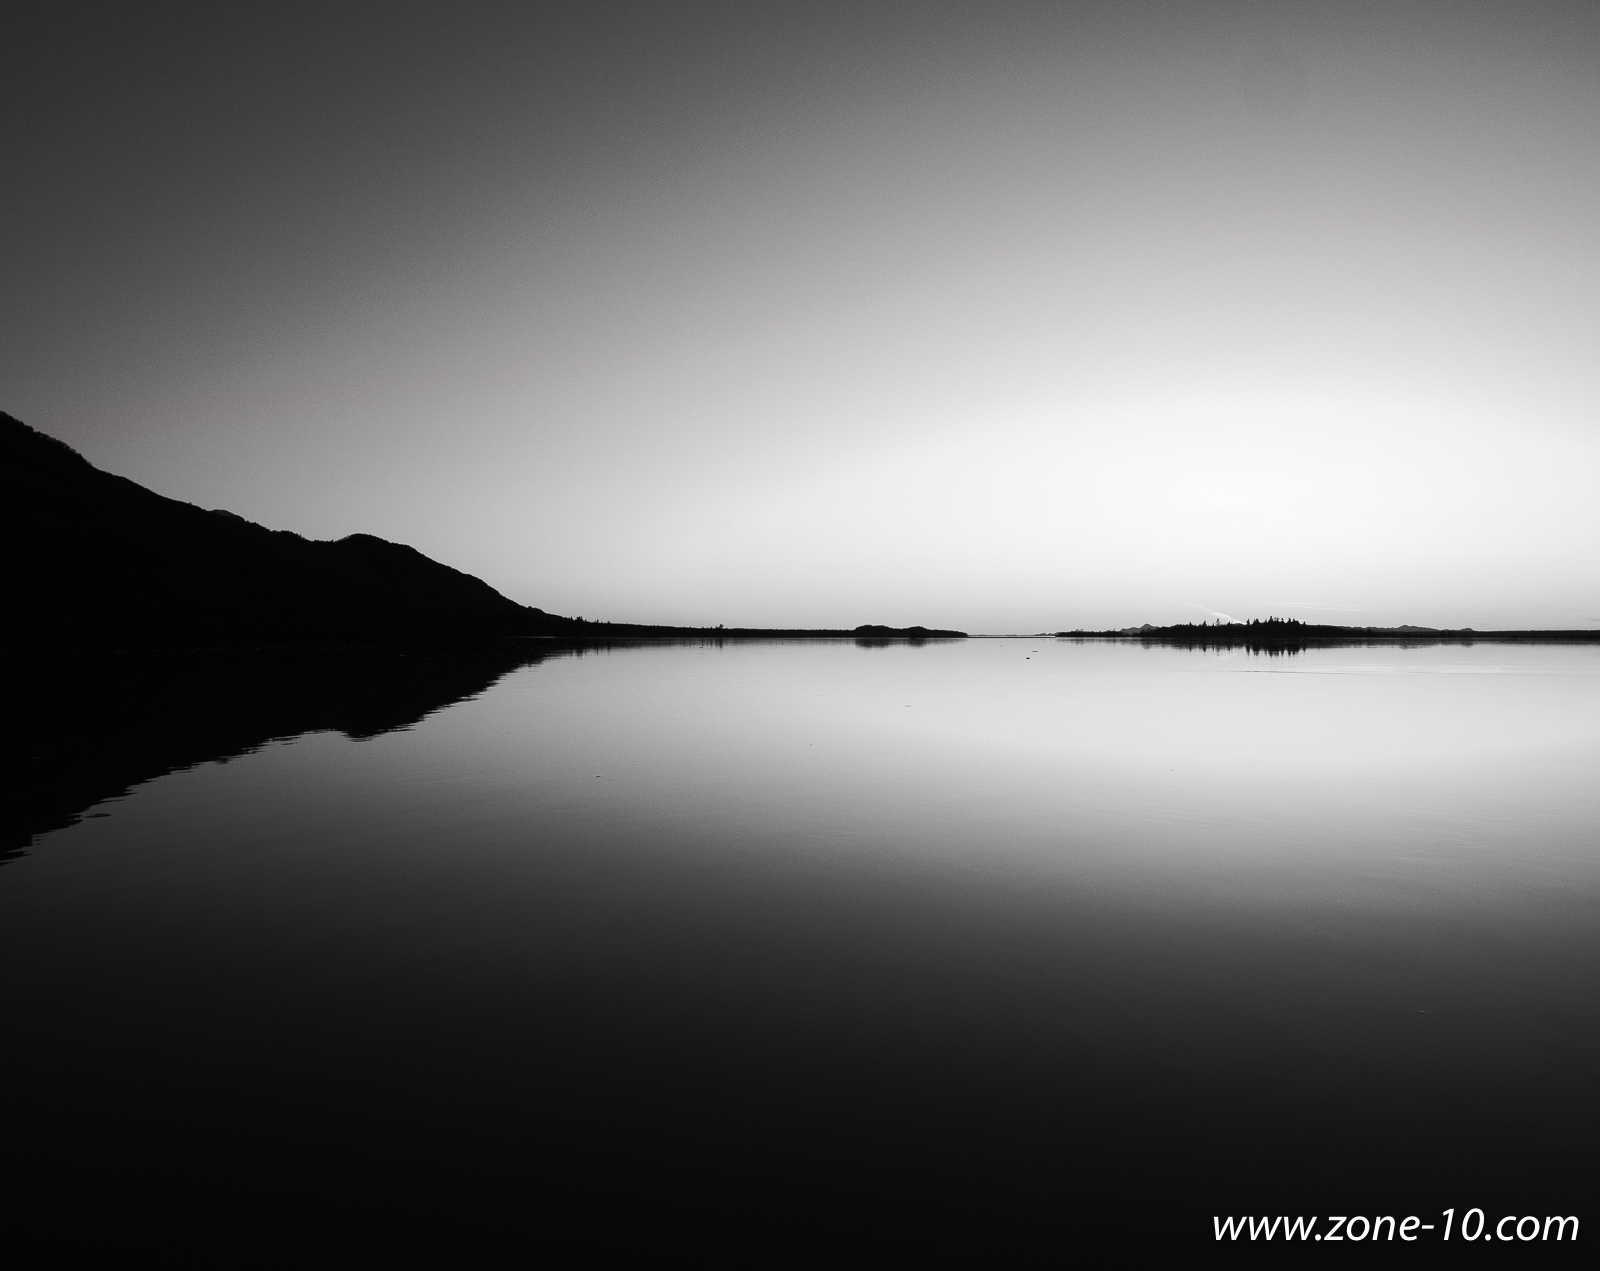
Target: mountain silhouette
(96, 556)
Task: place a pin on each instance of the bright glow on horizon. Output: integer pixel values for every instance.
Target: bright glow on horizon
(1018, 320)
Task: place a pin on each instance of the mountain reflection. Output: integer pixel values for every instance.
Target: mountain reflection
(89, 726)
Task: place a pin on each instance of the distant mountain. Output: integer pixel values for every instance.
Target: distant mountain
(98, 557)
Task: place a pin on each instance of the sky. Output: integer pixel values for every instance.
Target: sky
(1006, 317)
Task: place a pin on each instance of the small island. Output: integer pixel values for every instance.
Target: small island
(1290, 633)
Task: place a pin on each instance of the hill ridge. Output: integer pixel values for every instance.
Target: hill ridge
(101, 558)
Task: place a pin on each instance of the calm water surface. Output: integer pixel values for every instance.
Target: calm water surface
(1093, 919)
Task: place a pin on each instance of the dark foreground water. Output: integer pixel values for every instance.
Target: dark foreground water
(966, 938)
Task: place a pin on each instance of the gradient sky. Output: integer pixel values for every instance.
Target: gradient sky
(999, 316)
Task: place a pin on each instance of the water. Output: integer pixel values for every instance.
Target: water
(1096, 928)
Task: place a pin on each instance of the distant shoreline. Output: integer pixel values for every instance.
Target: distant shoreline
(867, 631)
(1285, 633)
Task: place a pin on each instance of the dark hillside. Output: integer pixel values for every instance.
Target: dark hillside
(97, 557)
